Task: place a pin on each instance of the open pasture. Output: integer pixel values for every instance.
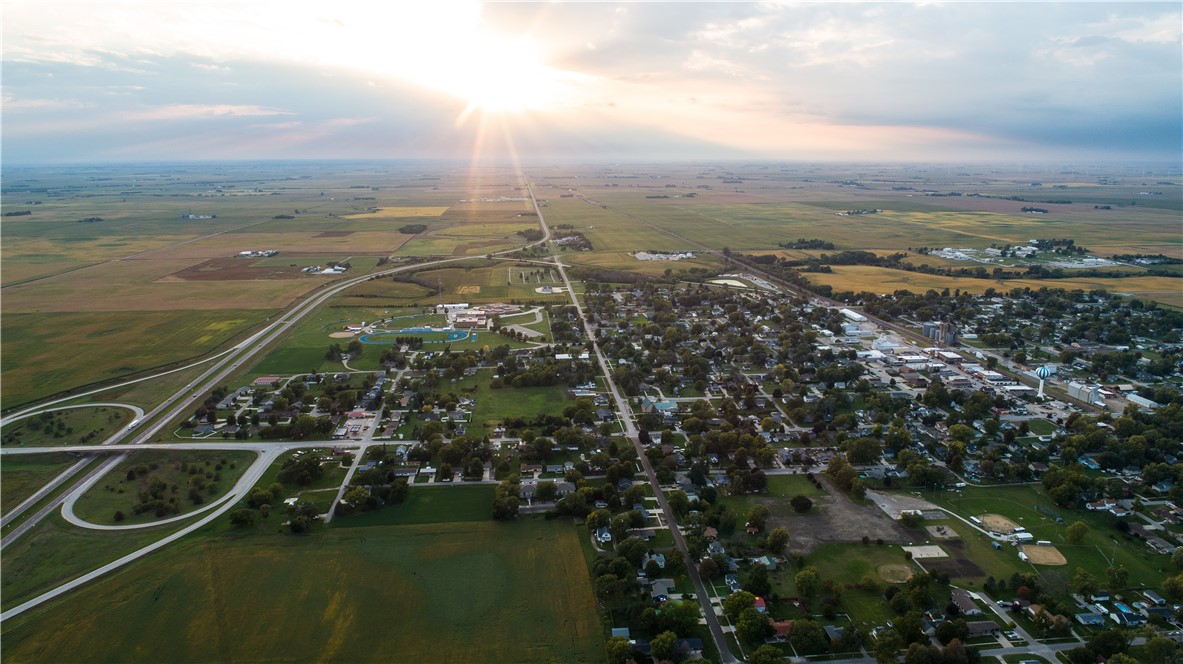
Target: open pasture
(516, 592)
(113, 344)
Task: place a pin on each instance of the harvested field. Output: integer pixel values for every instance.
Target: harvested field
(235, 269)
(1043, 554)
(998, 523)
(334, 234)
(895, 573)
(391, 213)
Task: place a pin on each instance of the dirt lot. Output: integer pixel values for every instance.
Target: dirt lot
(941, 532)
(835, 519)
(1043, 555)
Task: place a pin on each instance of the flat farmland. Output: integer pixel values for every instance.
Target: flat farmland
(607, 229)
(106, 345)
(516, 592)
(858, 278)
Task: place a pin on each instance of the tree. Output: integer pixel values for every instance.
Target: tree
(801, 504)
(777, 540)
(752, 626)
(632, 549)
(757, 581)
(680, 617)
(758, 516)
(662, 646)
(808, 581)
(244, 518)
(679, 502)
(809, 637)
(1075, 533)
(920, 653)
(736, 602)
(887, 647)
(1084, 583)
(619, 651)
(708, 569)
(766, 654)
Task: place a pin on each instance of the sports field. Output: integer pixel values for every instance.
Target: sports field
(459, 592)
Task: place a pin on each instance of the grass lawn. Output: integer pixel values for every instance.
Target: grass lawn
(176, 470)
(1040, 427)
(507, 402)
(22, 475)
(430, 504)
(516, 592)
(788, 486)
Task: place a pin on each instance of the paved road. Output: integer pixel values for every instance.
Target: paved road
(630, 430)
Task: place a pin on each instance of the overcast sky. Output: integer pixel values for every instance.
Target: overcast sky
(88, 81)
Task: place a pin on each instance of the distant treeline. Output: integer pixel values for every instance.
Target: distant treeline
(802, 243)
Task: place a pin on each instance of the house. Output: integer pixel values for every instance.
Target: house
(710, 534)
(761, 605)
(766, 561)
(621, 632)
(1154, 598)
(981, 628)
(965, 603)
(603, 535)
(835, 633)
(658, 558)
(781, 628)
(715, 548)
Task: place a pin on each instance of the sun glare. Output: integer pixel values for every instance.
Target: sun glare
(496, 75)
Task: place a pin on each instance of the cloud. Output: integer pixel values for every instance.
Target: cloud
(191, 111)
(876, 80)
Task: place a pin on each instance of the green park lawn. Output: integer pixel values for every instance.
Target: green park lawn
(430, 504)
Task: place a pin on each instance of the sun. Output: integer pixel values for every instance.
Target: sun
(496, 75)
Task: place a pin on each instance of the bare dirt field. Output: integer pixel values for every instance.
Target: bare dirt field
(835, 519)
(941, 532)
(957, 564)
(341, 335)
(998, 523)
(1043, 554)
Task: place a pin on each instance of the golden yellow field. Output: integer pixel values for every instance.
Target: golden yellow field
(386, 213)
(879, 280)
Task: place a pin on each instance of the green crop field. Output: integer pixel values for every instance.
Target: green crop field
(114, 344)
(515, 592)
(22, 475)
